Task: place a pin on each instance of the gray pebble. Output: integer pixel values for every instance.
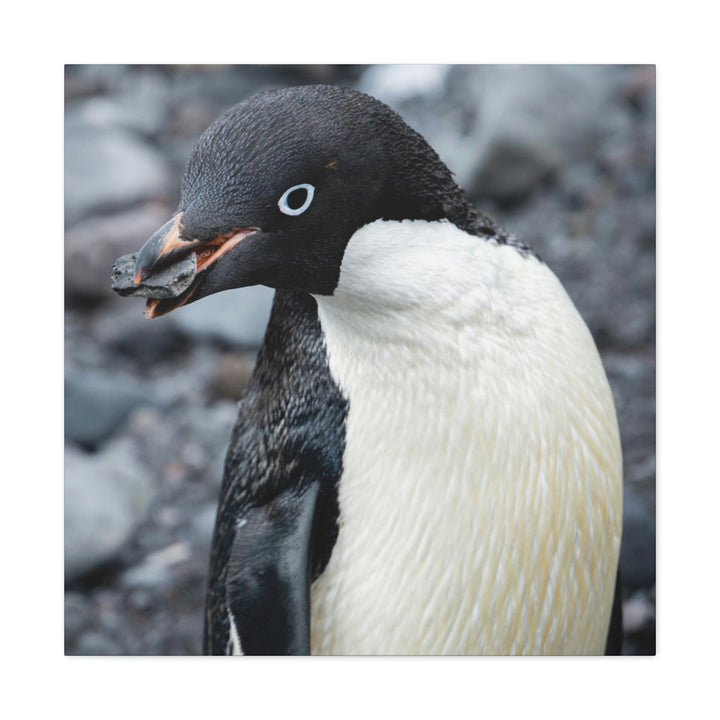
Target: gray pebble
(167, 282)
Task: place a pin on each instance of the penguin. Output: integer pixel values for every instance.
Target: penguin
(426, 460)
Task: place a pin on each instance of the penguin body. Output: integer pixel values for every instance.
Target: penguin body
(480, 495)
(427, 458)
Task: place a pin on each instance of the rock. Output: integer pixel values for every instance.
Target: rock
(147, 342)
(237, 318)
(510, 171)
(140, 102)
(167, 282)
(537, 119)
(97, 404)
(210, 427)
(233, 373)
(638, 613)
(398, 84)
(92, 245)
(110, 169)
(128, 333)
(503, 129)
(156, 569)
(107, 495)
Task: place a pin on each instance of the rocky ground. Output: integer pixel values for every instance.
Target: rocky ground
(563, 156)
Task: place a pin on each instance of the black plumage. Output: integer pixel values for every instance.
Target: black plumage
(289, 435)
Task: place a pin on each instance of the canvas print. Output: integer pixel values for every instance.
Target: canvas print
(360, 360)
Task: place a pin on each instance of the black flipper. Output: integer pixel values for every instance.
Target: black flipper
(289, 437)
(268, 582)
(615, 633)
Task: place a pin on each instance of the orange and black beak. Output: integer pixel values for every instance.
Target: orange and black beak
(162, 248)
(167, 247)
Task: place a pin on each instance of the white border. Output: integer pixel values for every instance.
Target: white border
(681, 40)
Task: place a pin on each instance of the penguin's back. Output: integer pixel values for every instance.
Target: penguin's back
(481, 488)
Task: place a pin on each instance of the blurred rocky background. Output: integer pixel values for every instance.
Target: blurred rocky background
(564, 156)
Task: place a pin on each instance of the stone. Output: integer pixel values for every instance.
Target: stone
(92, 245)
(156, 569)
(397, 84)
(503, 129)
(109, 169)
(233, 373)
(97, 404)
(127, 333)
(107, 496)
(140, 103)
(167, 282)
(236, 318)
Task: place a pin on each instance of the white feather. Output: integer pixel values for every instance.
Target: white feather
(480, 503)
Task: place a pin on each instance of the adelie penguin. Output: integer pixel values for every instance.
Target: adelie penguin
(427, 458)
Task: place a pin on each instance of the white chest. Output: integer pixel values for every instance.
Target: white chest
(480, 503)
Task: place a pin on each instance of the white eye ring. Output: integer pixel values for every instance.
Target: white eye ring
(283, 201)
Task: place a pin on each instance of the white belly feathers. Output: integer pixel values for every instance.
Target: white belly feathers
(481, 496)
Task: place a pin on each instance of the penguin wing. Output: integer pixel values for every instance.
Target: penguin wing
(268, 580)
(277, 518)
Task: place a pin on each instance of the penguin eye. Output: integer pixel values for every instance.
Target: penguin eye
(296, 200)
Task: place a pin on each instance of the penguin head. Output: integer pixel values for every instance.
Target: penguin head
(275, 188)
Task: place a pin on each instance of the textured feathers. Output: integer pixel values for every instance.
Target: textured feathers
(480, 503)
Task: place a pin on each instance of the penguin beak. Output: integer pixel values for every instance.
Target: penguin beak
(166, 247)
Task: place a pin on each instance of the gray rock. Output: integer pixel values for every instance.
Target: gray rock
(503, 128)
(167, 282)
(140, 103)
(97, 404)
(398, 84)
(535, 119)
(232, 375)
(638, 613)
(108, 168)
(237, 318)
(155, 570)
(107, 496)
(92, 245)
(210, 427)
(125, 332)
